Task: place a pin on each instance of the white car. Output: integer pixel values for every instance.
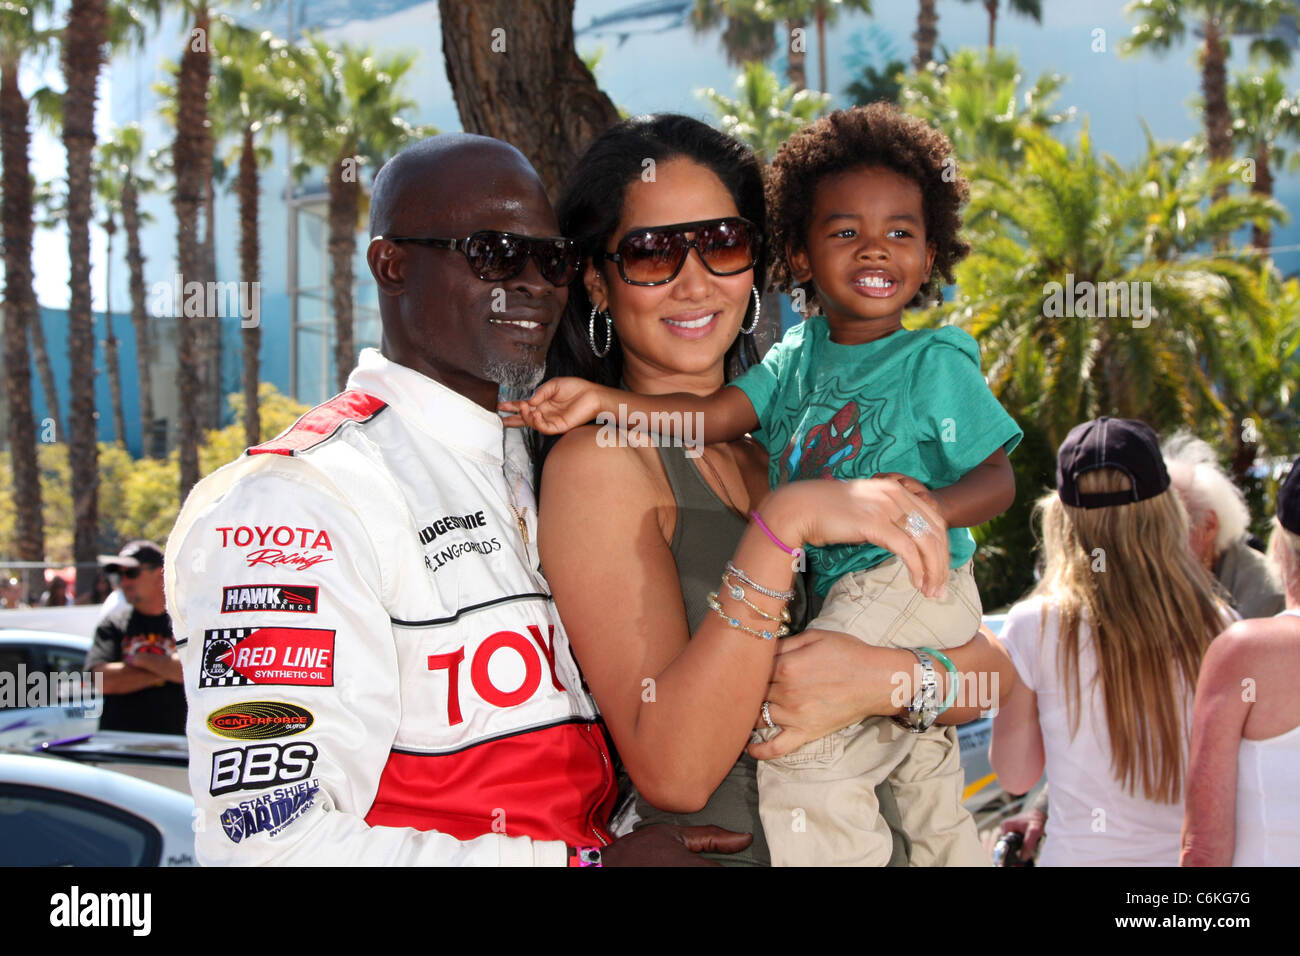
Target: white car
(45, 694)
(982, 788)
(56, 812)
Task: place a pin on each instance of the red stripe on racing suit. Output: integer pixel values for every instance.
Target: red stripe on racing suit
(537, 784)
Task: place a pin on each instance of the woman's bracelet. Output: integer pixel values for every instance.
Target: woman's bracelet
(746, 579)
(737, 592)
(953, 677)
(758, 520)
(714, 603)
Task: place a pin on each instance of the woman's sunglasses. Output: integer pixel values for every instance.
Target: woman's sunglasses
(496, 256)
(656, 255)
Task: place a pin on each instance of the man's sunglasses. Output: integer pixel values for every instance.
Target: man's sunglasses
(655, 256)
(497, 256)
(131, 573)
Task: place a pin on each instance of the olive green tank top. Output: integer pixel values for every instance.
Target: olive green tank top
(705, 536)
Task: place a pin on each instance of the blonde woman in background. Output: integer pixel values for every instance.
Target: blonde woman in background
(1243, 790)
(1106, 651)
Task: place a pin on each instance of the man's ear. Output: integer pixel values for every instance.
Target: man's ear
(594, 280)
(800, 267)
(387, 264)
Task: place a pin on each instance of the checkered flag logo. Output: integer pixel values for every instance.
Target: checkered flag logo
(219, 657)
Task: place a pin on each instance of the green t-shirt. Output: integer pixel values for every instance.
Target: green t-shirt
(914, 402)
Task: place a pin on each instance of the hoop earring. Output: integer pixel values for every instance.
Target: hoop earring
(758, 311)
(591, 332)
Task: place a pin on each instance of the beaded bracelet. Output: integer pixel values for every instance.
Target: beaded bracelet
(737, 592)
(745, 578)
(781, 631)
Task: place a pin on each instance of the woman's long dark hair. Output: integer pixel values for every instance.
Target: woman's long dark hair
(589, 211)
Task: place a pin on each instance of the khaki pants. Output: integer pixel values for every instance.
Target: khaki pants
(818, 804)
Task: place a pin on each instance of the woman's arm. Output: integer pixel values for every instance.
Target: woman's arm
(680, 708)
(678, 418)
(1016, 749)
(1210, 811)
(825, 680)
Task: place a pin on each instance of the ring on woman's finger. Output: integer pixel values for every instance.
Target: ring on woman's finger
(767, 715)
(915, 524)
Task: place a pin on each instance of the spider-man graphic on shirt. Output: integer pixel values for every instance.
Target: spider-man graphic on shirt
(836, 429)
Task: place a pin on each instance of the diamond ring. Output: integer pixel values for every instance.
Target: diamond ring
(767, 715)
(916, 525)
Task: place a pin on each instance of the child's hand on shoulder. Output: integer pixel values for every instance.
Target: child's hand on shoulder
(558, 405)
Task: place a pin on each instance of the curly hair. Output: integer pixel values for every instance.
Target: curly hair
(877, 135)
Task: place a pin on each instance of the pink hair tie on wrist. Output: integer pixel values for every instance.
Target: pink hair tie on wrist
(793, 552)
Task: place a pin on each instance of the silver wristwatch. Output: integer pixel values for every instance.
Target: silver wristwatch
(924, 708)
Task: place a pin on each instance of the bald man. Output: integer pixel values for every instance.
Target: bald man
(375, 670)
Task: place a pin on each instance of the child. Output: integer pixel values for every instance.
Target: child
(864, 206)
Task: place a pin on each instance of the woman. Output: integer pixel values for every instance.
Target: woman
(634, 540)
(1106, 652)
(1245, 764)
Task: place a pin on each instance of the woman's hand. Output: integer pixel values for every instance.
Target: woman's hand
(874, 510)
(825, 680)
(558, 405)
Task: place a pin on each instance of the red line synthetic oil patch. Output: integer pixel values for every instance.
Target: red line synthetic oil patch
(287, 656)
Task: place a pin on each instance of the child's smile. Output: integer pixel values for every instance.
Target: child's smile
(866, 252)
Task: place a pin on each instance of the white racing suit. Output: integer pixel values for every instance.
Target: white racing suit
(373, 664)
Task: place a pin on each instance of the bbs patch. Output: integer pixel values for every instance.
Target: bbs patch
(260, 766)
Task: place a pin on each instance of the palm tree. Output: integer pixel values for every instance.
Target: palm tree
(346, 110)
(825, 13)
(878, 70)
(1026, 8)
(1068, 220)
(192, 168)
(93, 26)
(1161, 23)
(247, 100)
(121, 159)
(85, 40)
(795, 14)
(108, 190)
(50, 207)
(976, 99)
(1261, 389)
(764, 115)
(23, 31)
(747, 34)
(1264, 115)
(926, 35)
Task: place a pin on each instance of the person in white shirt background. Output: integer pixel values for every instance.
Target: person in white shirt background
(1243, 792)
(1106, 651)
